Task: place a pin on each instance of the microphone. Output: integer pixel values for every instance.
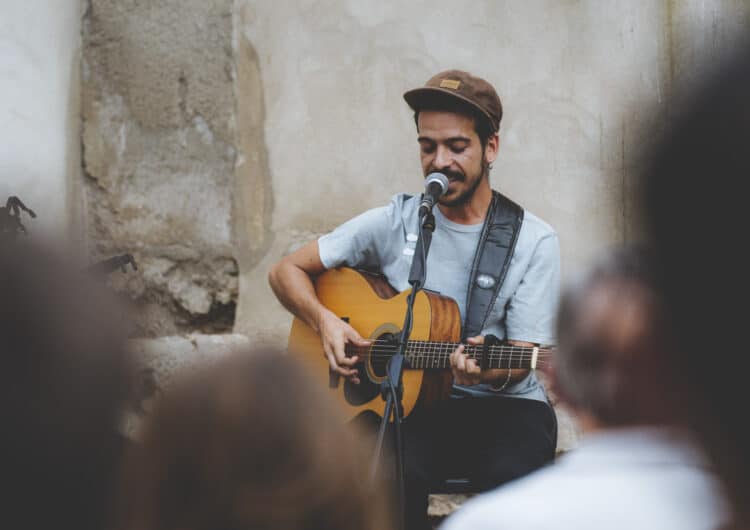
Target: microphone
(436, 185)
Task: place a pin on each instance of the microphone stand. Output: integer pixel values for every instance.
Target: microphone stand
(391, 389)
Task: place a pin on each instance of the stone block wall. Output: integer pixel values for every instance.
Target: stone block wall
(160, 146)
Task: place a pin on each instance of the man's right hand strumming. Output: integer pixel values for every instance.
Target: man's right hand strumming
(334, 335)
(291, 281)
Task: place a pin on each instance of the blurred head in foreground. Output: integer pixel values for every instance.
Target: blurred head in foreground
(696, 216)
(63, 380)
(248, 443)
(612, 364)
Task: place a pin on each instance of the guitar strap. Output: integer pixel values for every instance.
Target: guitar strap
(494, 251)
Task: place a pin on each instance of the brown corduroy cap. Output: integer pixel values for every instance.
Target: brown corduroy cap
(461, 85)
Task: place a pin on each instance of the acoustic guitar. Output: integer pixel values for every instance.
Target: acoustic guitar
(373, 308)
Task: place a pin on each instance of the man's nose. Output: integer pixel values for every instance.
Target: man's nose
(443, 158)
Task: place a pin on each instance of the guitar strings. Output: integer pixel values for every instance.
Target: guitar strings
(451, 346)
(390, 353)
(424, 353)
(500, 360)
(435, 342)
(495, 354)
(541, 352)
(441, 347)
(425, 344)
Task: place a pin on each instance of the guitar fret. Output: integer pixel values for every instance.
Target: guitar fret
(424, 355)
(518, 357)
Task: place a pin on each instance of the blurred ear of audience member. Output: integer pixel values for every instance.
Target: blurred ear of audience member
(249, 443)
(697, 218)
(63, 380)
(636, 466)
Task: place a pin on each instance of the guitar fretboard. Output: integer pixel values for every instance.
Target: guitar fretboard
(435, 355)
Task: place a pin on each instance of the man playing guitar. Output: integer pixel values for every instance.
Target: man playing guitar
(492, 429)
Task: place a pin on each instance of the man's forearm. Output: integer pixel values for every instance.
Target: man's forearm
(294, 289)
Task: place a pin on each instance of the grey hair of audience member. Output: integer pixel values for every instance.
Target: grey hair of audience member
(610, 360)
(696, 216)
(63, 381)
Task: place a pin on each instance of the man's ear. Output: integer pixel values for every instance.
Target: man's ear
(493, 146)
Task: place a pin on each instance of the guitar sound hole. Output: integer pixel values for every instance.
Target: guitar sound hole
(362, 393)
(369, 386)
(382, 351)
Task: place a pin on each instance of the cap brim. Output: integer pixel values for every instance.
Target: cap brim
(425, 97)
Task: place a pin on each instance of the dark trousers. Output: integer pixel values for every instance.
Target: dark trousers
(489, 441)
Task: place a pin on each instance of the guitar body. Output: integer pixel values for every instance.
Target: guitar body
(373, 308)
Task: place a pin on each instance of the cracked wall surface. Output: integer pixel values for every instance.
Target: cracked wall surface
(159, 154)
(573, 77)
(582, 82)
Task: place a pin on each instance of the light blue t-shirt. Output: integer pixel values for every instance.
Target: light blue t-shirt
(384, 239)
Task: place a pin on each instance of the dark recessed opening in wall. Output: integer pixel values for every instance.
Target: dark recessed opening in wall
(219, 319)
(157, 314)
(147, 323)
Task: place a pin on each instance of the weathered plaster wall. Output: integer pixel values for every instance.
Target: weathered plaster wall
(159, 144)
(580, 81)
(39, 111)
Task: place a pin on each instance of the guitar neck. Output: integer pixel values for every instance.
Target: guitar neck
(426, 354)
(435, 355)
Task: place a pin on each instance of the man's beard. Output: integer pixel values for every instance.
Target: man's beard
(465, 196)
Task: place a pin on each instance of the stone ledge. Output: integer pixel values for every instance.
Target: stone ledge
(159, 361)
(168, 356)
